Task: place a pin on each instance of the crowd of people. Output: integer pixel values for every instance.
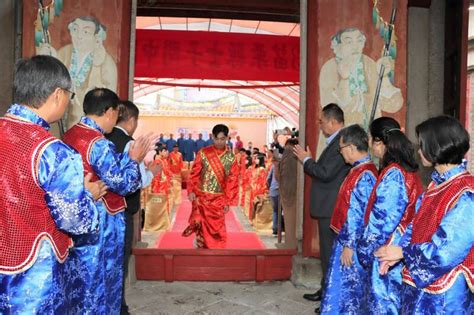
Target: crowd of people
(387, 245)
(257, 179)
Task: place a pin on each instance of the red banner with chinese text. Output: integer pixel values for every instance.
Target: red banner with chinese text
(216, 55)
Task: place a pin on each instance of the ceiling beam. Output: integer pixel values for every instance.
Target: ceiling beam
(260, 10)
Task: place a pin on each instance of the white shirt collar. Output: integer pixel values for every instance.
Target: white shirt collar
(125, 131)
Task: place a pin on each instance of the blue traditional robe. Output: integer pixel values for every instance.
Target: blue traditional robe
(391, 202)
(209, 142)
(170, 144)
(181, 145)
(344, 286)
(200, 143)
(189, 146)
(449, 246)
(42, 288)
(101, 254)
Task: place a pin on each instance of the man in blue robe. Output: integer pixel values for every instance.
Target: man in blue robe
(40, 212)
(200, 143)
(101, 254)
(189, 148)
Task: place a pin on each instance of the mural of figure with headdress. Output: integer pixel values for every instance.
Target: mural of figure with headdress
(349, 79)
(89, 64)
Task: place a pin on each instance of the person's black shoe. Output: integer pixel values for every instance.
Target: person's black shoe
(317, 310)
(315, 297)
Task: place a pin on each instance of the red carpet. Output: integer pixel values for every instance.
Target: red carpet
(237, 238)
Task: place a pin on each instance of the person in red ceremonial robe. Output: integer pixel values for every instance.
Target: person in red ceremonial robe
(242, 160)
(258, 183)
(158, 207)
(161, 183)
(247, 184)
(212, 189)
(176, 161)
(176, 165)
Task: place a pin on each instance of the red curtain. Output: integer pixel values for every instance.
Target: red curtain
(216, 55)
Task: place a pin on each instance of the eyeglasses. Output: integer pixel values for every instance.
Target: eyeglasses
(72, 93)
(344, 146)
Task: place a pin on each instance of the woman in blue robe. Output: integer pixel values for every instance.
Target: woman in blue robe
(437, 248)
(390, 209)
(344, 289)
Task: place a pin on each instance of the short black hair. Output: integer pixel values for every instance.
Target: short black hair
(443, 140)
(220, 128)
(36, 78)
(356, 135)
(333, 111)
(97, 101)
(160, 147)
(398, 148)
(127, 110)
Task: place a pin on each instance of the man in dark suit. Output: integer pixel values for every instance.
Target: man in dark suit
(121, 136)
(328, 173)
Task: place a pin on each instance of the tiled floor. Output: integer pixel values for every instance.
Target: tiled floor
(150, 297)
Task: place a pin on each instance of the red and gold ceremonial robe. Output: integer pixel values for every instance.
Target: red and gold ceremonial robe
(214, 181)
(161, 183)
(176, 163)
(258, 186)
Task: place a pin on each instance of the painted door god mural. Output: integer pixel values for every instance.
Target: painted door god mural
(89, 63)
(349, 79)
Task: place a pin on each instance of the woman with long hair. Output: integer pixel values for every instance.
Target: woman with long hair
(437, 247)
(390, 209)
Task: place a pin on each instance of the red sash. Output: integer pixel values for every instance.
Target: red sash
(339, 216)
(436, 202)
(215, 162)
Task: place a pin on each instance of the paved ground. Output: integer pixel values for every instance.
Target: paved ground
(153, 297)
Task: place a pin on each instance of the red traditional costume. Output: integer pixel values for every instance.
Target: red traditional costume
(161, 183)
(176, 163)
(258, 186)
(214, 181)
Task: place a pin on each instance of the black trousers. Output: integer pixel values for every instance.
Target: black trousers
(126, 255)
(326, 239)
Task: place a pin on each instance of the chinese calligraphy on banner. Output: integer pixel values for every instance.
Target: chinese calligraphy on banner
(214, 55)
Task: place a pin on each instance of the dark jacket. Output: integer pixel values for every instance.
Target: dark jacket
(120, 140)
(328, 173)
